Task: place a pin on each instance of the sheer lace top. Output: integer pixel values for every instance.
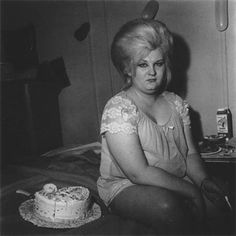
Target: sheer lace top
(164, 145)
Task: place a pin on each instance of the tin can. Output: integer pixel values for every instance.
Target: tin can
(224, 122)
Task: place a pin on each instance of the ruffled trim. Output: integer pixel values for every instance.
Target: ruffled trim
(115, 127)
(181, 106)
(120, 115)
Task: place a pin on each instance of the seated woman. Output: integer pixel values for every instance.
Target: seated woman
(150, 169)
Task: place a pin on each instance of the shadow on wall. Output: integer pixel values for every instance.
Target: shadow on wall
(180, 63)
(196, 125)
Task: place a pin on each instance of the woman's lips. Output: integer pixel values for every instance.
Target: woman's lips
(151, 80)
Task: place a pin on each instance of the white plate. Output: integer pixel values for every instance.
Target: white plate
(27, 213)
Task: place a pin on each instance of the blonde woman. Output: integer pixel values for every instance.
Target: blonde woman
(150, 169)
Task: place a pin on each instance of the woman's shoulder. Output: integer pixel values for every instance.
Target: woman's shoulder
(120, 115)
(121, 101)
(174, 98)
(180, 105)
(171, 95)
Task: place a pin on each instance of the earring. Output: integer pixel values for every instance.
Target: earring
(129, 81)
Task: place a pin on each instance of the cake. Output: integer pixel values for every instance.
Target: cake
(67, 203)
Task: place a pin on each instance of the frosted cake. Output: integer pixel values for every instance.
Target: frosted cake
(67, 203)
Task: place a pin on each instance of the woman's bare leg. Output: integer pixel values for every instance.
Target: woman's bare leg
(159, 208)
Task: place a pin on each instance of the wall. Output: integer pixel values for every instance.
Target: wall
(209, 71)
(56, 22)
(205, 55)
(231, 61)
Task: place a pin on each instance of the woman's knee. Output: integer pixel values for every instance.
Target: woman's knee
(159, 202)
(170, 203)
(158, 207)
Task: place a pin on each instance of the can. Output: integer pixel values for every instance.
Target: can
(224, 122)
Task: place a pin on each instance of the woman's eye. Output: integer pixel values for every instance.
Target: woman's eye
(145, 65)
(160, 64)
(142, 65)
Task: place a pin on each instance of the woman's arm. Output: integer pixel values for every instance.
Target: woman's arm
(128, 154)
(196, 170)
(198, 174)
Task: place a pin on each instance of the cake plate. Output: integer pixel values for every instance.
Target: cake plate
(28, 214)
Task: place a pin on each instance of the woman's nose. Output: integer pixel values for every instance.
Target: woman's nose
(152, 70)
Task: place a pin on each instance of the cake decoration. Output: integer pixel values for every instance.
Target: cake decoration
(49, 188)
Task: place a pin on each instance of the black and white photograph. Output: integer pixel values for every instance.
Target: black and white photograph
(118, 117)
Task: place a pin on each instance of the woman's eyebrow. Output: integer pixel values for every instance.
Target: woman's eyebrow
(158, 60)
(143, 60)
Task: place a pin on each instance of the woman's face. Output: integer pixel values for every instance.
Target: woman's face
(150, 72)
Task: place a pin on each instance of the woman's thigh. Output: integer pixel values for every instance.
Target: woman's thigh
(151, 205)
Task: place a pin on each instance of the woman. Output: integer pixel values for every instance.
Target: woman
(150, 169)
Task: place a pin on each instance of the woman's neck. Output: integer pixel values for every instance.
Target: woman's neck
(142, 97)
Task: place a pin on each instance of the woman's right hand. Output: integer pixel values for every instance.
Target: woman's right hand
(214, 193)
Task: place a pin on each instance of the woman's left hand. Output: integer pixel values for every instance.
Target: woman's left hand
(214, 193)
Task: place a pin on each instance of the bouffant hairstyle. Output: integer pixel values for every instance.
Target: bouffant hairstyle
(135, 40)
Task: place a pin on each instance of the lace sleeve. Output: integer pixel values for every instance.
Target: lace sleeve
(182, 108)
(119, 115)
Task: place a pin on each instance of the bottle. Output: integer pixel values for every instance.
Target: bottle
(224, 123)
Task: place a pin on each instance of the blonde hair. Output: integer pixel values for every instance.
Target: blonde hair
(135, 40)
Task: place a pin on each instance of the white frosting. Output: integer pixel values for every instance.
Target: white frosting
(50, 188)
(67, 203)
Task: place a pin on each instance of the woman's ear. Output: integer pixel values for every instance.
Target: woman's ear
(127, 72)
